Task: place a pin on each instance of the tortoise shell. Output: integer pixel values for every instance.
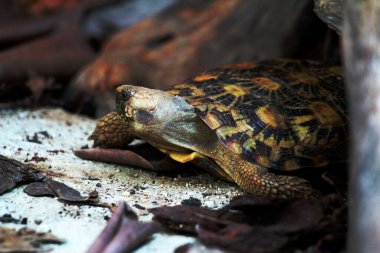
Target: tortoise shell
(281, 114)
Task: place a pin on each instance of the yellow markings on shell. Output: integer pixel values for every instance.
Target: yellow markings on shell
(213, 121)
(235, 90)
(201, 107)
(303, 134)
(325, 114)
(227, 131)
(210, 107)
(268, 141)
(266, 83)
(243, 125)
(195, 102)
(183, 157)
(249, 144)
(241, 121)
(204, 77)
(265, 114)
(303, 119)
(235, 147)
(198, 92)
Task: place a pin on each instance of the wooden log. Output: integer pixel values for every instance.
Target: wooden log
(361, 42)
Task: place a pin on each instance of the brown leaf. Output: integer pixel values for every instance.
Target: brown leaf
(118, 156)
(13, 173)
(123, 232)
(65, 192)
(39, 189)
(25, 240)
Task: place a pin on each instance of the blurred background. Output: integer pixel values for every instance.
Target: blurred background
(72, 53)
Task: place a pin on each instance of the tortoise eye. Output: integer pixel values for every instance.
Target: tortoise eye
(143, 116)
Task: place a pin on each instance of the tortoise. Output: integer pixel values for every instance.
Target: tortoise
(245, 122)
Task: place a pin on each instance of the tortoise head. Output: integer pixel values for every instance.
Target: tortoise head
(149, 109)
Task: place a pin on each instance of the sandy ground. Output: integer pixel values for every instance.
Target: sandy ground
(79, 225)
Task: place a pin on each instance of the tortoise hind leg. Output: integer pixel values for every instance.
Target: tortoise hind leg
(258, 180)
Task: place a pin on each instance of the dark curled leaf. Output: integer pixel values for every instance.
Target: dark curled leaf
(110, 230)
(53, 188)
(34, 139)
(123, 232)
(65, 192)
(13, 173)
(7, 218)
(39, 189)
(131, 235)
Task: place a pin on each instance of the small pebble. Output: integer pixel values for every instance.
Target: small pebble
(139, 206)
(24, 221)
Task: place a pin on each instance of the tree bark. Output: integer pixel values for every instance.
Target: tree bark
(361, 44)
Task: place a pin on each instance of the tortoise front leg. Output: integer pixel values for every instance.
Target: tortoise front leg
(111, 132)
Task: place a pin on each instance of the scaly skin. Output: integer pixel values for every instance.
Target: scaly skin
(111, 132)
